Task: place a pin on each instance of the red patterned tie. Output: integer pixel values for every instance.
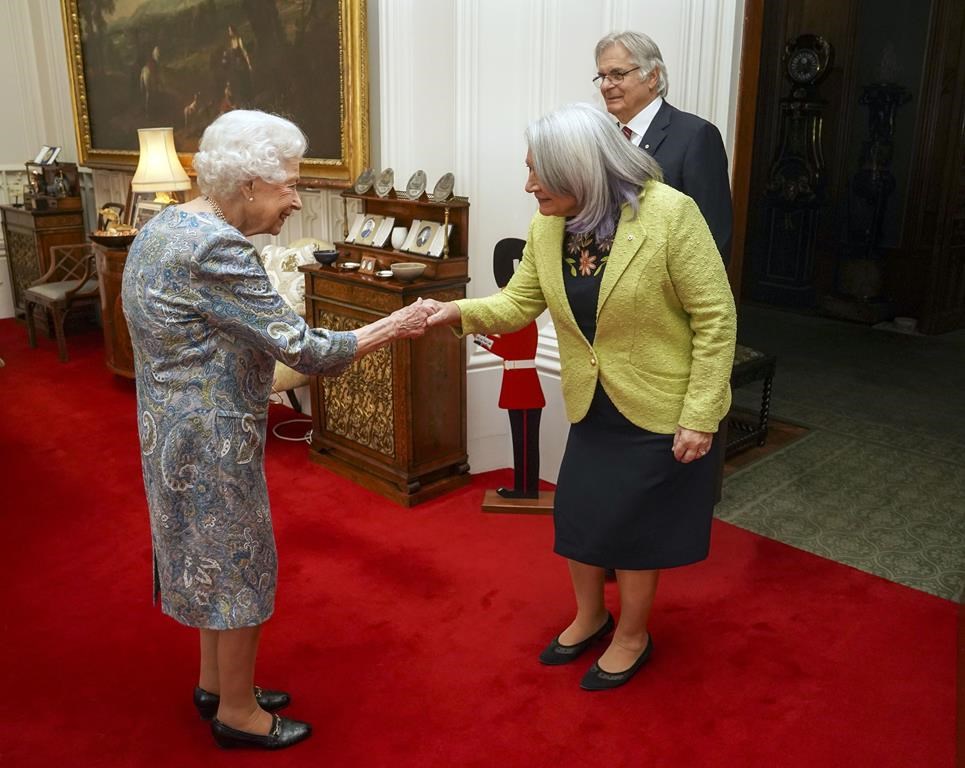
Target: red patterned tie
(627, 132)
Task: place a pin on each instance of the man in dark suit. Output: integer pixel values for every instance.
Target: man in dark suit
(633, 81)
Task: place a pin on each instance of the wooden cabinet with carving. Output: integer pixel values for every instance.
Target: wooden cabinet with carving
(395, 422)
(29, 235)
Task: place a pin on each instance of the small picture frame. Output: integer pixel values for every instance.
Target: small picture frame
(369, 228)
(438, 243)
(355, 228)
(368, 266)
(144, 211)
(384, 232)
(421, 235)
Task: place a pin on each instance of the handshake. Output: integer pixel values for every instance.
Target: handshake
(412, 320)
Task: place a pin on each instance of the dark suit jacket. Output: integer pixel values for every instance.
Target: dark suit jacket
(692, 155)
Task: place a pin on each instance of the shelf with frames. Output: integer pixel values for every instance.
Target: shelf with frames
(454, 212)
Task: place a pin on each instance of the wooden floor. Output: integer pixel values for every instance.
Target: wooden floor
(779, 434)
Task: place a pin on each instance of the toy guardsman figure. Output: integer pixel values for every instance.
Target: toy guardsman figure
(521, 393)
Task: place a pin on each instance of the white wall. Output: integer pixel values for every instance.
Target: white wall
(460, 80)
(453, 85)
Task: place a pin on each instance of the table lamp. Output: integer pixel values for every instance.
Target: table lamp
(158, 167)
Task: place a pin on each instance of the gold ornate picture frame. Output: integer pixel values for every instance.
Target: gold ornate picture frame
(144, 64)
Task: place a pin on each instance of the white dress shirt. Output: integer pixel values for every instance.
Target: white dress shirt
(640, 122)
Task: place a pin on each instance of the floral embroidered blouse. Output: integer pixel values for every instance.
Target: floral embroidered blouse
(584, 260)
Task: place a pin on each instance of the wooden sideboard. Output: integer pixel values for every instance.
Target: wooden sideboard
(118, 351)
(395, 421)
(28, 235)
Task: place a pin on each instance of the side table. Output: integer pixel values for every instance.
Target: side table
(118, 350)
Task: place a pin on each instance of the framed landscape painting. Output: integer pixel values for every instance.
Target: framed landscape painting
(149, 63)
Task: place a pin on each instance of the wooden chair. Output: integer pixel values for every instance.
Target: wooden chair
(70, 282)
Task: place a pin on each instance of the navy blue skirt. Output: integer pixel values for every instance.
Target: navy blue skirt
(623, 501)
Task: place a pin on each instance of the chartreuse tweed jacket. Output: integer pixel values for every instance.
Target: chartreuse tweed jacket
(666, 321)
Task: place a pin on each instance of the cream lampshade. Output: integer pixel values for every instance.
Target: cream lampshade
(158, 167)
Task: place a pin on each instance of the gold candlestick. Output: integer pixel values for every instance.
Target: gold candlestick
(445, 235)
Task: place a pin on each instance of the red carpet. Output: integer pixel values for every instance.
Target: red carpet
(409, 637)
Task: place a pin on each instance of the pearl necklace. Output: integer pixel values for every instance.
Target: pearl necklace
(216, 208)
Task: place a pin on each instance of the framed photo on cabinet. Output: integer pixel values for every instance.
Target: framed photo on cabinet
(356, 227)
(370, 226)
(420, 236)
(438, 243)
(143, 62)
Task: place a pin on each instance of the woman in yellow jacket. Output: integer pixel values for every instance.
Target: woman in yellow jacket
(646, 326)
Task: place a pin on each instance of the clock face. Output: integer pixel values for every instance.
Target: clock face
(803, 66)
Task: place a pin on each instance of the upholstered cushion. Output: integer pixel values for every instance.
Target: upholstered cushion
(287, 378)
(59, 290)
(282, 265)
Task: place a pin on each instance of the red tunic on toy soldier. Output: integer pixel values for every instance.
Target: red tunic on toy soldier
(521, 393)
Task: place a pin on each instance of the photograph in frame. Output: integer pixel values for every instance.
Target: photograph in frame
(370, 225)
(384, 232)
(414, 228)
(438, 243)
(140, 63)
(368, 265)
(422, 237)
(144, 211)
(356, 227)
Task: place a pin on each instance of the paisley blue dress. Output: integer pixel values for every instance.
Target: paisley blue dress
(206, 328)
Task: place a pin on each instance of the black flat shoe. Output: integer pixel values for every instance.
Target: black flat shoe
(270, 701)
(597, 680)
(556, 653)
(284, 733)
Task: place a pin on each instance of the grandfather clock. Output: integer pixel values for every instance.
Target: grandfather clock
(860, 270)
(794, 193)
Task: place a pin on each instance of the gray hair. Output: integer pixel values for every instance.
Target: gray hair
(246, 144)
(578, 150)
(644, 53)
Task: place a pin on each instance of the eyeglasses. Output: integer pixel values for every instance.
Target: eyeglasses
(615, 77)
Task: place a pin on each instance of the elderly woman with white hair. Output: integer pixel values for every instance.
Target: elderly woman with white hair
(646, 327)
(207, 327)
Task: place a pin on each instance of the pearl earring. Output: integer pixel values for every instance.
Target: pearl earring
(251, 199)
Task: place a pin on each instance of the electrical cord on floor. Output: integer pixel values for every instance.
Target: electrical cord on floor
(275, 397)
(306, 438)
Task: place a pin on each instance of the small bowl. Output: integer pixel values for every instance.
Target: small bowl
(348, 266)
(407, 271)
(384, 273)
(112, 241)
(325, 257)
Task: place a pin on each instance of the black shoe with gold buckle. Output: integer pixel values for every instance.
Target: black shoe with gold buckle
(283, 733)
(270, 701)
